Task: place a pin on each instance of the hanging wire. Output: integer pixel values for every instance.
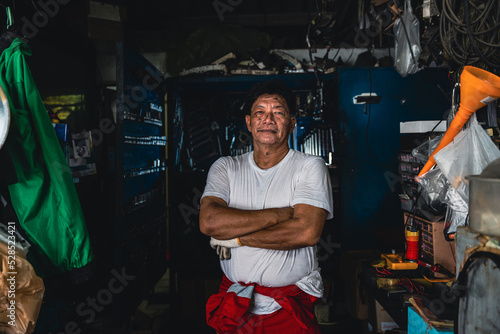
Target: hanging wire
(35, 6)
(469, 32)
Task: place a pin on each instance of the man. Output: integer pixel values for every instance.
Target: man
(265, 212)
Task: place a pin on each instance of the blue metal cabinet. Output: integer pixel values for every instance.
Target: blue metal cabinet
(368, 142)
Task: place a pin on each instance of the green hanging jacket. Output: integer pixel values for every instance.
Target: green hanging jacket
(44, 198)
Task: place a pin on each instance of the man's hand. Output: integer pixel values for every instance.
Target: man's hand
(223, 247)
(223, 252)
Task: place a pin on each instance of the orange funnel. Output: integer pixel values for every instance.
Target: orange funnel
(477, 88)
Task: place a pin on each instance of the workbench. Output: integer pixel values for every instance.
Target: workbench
(413, 293)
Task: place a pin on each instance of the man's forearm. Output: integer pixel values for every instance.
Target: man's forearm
(222, 222)
(280, 237)
(301, 231)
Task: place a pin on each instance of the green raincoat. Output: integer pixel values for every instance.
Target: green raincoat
(44, 198)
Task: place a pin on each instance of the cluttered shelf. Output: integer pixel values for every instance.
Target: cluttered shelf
(429, 298)
(390, 293)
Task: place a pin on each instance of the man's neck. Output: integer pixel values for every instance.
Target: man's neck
(266, 158)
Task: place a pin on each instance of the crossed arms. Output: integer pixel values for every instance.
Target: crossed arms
(276, 228)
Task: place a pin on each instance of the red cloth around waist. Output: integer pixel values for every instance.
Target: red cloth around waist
(227, 312)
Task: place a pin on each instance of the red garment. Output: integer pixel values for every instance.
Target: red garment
(227, 311)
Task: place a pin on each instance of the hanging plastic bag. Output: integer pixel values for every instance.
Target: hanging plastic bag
(468, 154)
(433, 187)
(407, 42)
(423, 151)
(457, 211)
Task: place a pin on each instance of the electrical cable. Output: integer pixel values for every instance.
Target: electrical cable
(382, 271)
(472, 38)
(411, 215)
(469, 32)
(310, 50)
(435, 126)
(411, 286)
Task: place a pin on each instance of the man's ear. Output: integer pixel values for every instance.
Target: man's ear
(293, 120)
(249, 124)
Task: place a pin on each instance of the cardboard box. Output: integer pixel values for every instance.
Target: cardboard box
(380, 320)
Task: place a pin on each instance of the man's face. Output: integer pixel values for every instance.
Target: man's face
(269, 121)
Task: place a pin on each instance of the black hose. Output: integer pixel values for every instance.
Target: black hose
(469, 32)
(472, 38)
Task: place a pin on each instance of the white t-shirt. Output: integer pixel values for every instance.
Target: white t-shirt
(297, 179)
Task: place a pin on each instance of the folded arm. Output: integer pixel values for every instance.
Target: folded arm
(222, 222)
(277, 228)
(303, 230)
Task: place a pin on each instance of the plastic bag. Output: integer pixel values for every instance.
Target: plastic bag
(407, 42)
(457, 211)
(423, 151)
(433, 187)
(21, 293)
(468, 154)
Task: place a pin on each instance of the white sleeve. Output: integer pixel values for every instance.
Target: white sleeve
(314, 187)
(218, 180)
